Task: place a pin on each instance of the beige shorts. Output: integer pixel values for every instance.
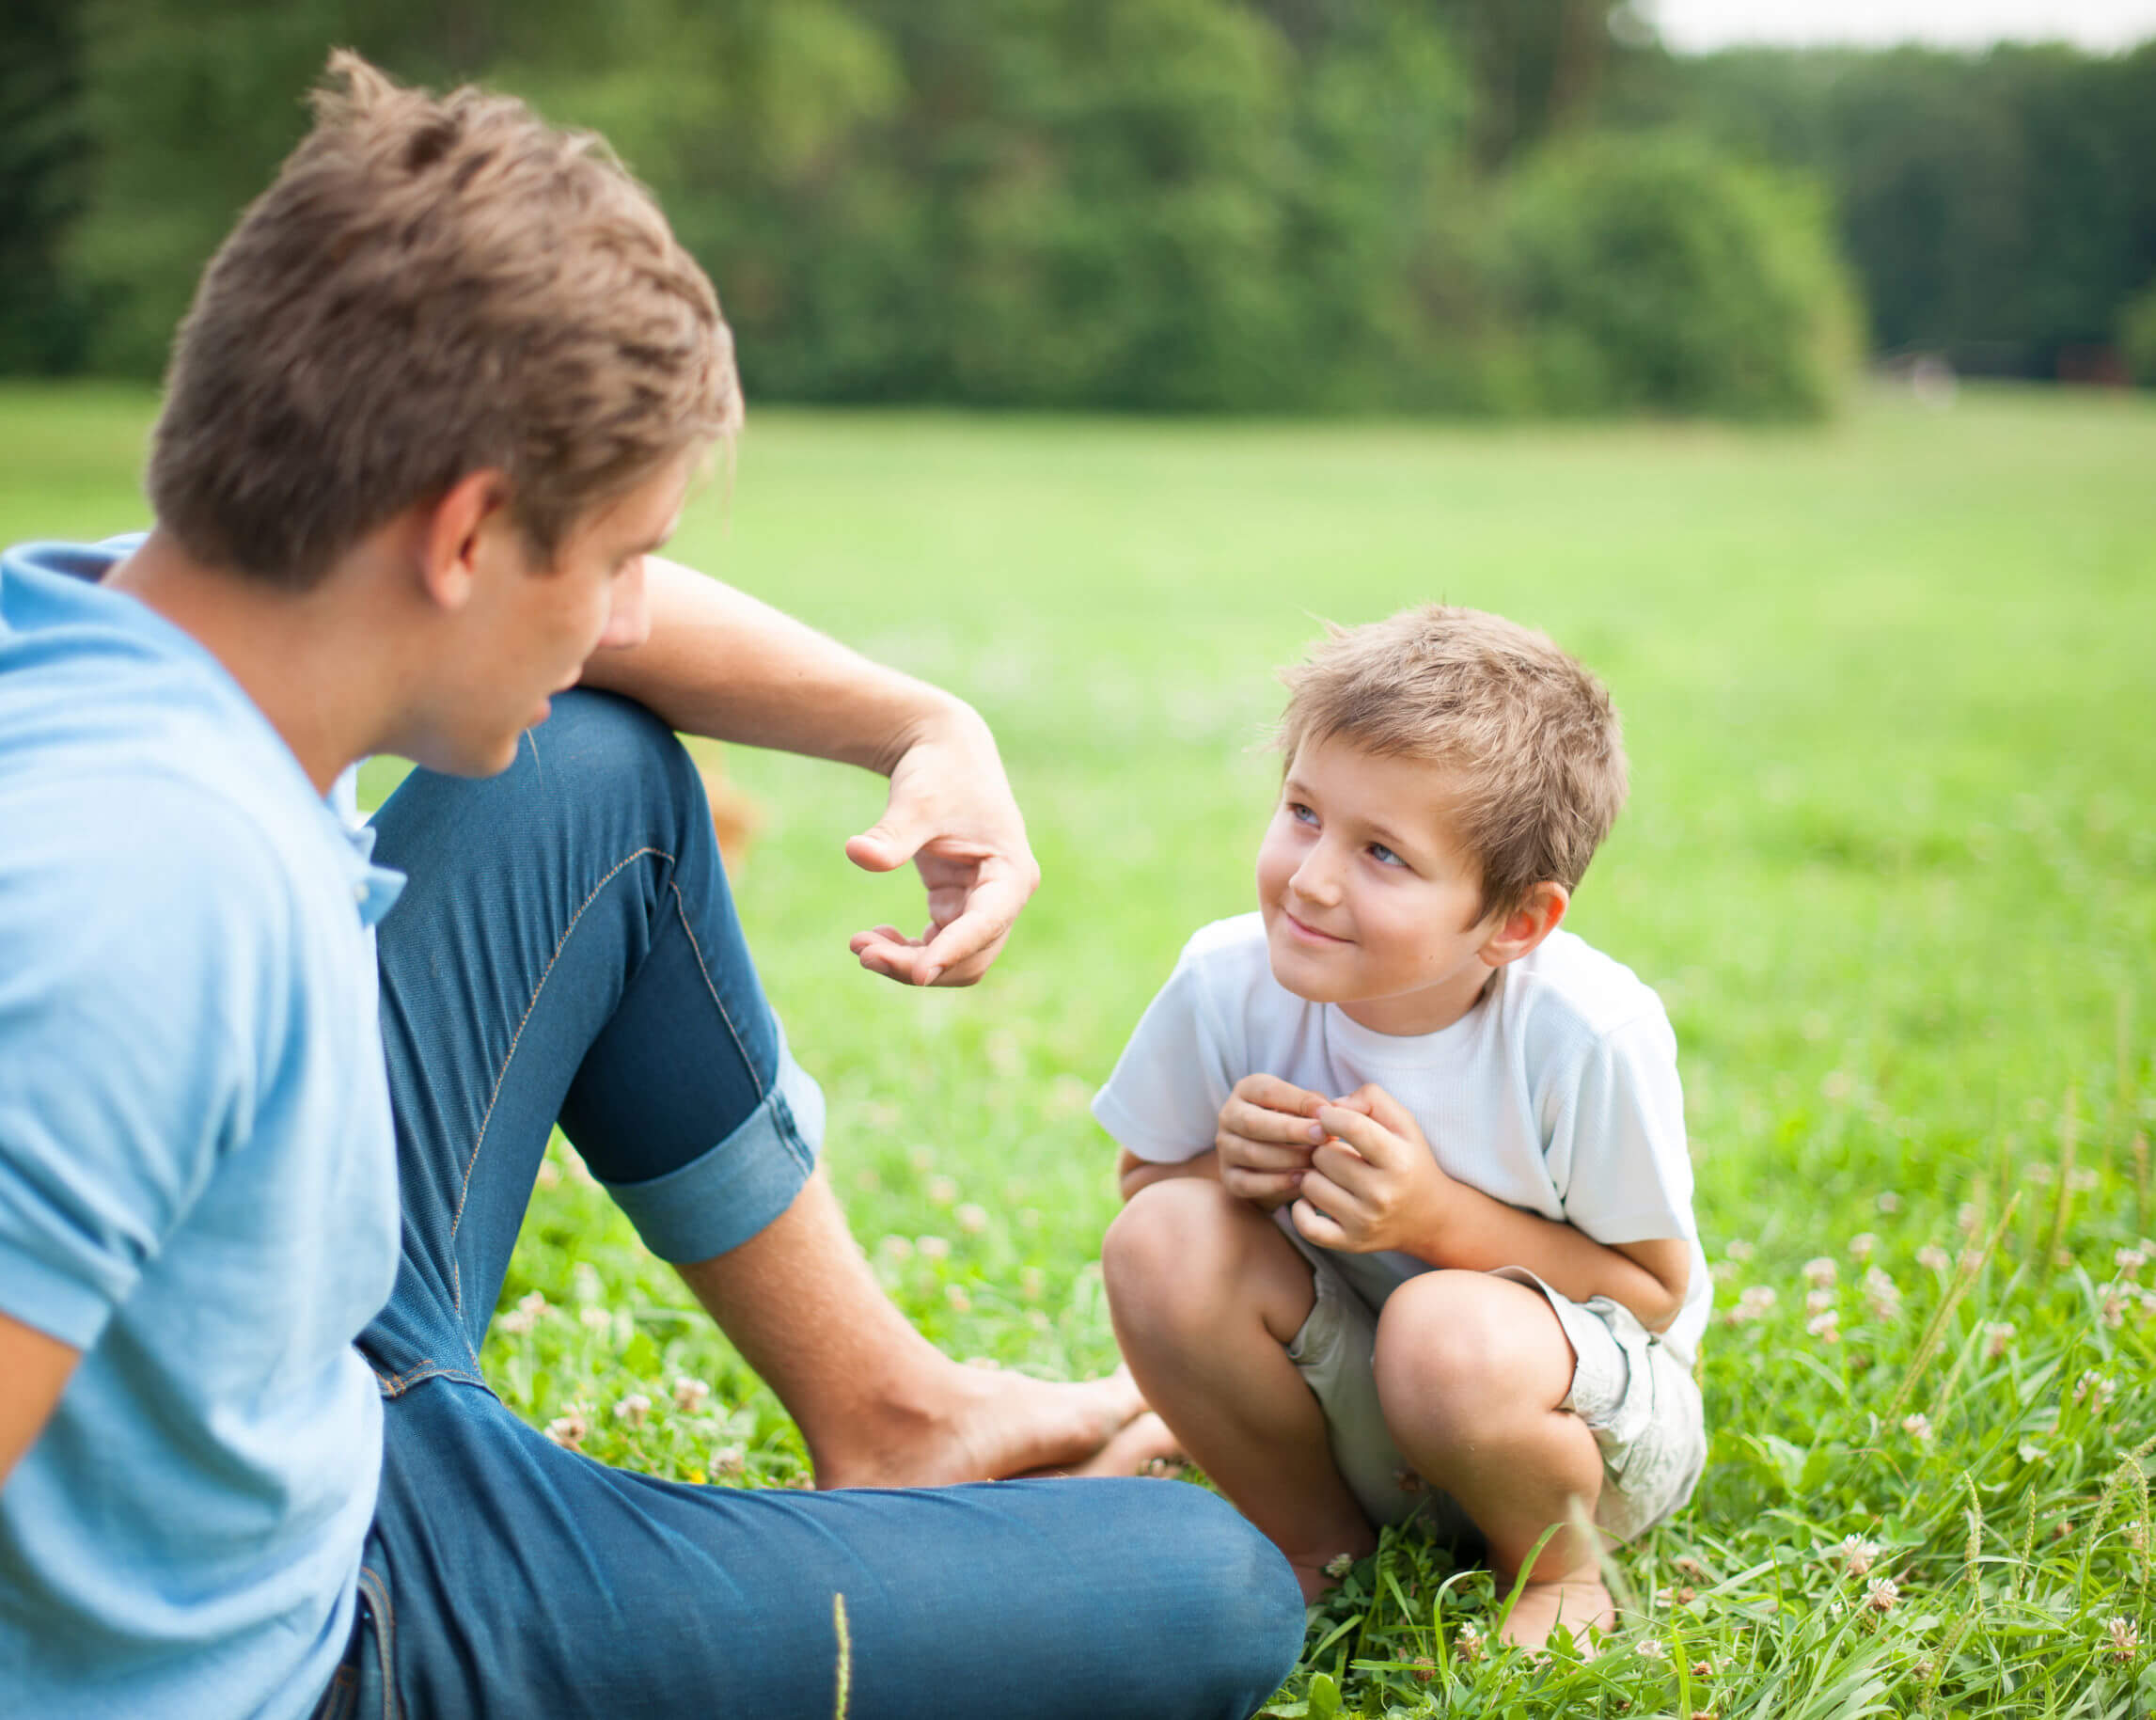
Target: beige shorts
(1637, 1399)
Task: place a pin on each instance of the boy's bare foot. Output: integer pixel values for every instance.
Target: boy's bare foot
(982, 1425)
(1578, 1603)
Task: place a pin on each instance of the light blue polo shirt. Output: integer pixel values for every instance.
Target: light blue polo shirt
(197, 1176)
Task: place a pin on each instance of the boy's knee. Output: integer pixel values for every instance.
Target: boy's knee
(1449, 1348)
(1170, 1240)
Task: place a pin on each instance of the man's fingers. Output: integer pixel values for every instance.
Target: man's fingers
(1238, 1117)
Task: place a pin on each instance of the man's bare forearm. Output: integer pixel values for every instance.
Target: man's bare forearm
(721, 663)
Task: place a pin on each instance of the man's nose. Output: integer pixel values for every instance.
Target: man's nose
(628, 613)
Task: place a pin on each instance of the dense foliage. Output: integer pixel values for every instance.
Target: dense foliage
(1248, 205)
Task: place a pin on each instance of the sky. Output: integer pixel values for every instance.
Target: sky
(2102, 25)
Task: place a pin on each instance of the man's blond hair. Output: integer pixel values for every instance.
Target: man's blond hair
(432, 286)
(1528, 738)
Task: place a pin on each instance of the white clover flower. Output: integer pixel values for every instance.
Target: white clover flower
(1825, 1327)
(517, 1322)
(1998, 1339)
(933, 1248)
(2112, 1311)
(1888, 1202)
(1933, 1258)
(728, 1461)
(691, 1394)
(1469, 1643)
(2129, 1260)
(1882, 1593)
(956, 1295)
(1339, 1565)
(898, 1248)
(2124, 1638)
(1819, 1302)
(1653, 1648)
(2096, 1389)
(1855, 1553)
(1736, 1248)
(2030, 1452)
(1862, 1245)
(1820, 1272)
(635, 1409)
(568, 1431)
(2082, 1179)
(942, 1189)
(596, 1320)
(1918, 1428)
(973, 1217)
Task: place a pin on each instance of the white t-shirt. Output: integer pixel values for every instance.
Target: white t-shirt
(1557, 1093)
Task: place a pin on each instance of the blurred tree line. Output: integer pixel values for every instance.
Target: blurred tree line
(1494, 206)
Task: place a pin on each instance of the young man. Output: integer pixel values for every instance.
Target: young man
(438, 402)
(1409, 1195)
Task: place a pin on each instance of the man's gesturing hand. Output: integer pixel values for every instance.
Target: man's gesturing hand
(1373, 1184)
(1267, 1130)
(951, 812)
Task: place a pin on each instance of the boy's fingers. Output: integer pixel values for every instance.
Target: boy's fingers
(1259, 1185)
(1385, 1109)
(1313, 1224)
(1270, 1092)
(1255, 1122)
(1366, 1135)
(1262, 1155)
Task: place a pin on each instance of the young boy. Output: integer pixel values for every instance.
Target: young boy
(1409, 1225)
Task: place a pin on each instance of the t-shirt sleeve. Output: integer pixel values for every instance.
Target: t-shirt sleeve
(1163, 1100)
(1616, 1151)
(139, 956)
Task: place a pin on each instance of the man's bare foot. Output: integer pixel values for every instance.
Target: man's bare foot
(982, 1425)
(1578, 1603)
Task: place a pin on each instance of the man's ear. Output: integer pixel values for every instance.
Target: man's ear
(453, 532)
(1528, 924)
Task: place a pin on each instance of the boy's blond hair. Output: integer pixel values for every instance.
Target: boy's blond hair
(1529, 736)
(432, 286)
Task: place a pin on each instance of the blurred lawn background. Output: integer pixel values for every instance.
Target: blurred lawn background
(1890, 861)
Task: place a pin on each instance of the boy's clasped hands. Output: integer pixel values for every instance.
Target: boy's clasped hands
(1359, 1171)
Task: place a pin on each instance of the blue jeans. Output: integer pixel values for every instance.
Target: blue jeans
(567, 949)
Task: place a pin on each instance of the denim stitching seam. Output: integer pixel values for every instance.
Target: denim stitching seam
(456, 1267)
(718, 1003)
(384, 1636)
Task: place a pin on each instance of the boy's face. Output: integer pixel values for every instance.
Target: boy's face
(1368, 901)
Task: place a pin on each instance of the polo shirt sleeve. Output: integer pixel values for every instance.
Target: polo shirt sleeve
(142, 935)
(1617, 1152)
(1163, 1101)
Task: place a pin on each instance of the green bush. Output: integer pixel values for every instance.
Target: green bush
(2137, 336)
(1648, 275)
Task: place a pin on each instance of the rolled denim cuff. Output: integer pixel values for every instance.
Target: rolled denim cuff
(719, 1200)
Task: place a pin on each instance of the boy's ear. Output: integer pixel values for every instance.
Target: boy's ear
(454, 534)
(1528, 924)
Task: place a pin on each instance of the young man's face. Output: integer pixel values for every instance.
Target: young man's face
(1368, 902)
(530, 628)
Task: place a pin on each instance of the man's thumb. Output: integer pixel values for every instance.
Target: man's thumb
(882, 847)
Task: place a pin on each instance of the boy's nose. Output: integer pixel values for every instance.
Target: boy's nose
(1317, 879)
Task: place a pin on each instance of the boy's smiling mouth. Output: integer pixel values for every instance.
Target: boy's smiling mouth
(1311, 932)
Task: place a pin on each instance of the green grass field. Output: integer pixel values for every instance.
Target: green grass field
(1890, 692)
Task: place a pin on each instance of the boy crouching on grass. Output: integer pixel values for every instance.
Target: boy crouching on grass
(1409, 1228)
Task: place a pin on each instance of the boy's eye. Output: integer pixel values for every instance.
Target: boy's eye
(1301, 814)
(1384, 856)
